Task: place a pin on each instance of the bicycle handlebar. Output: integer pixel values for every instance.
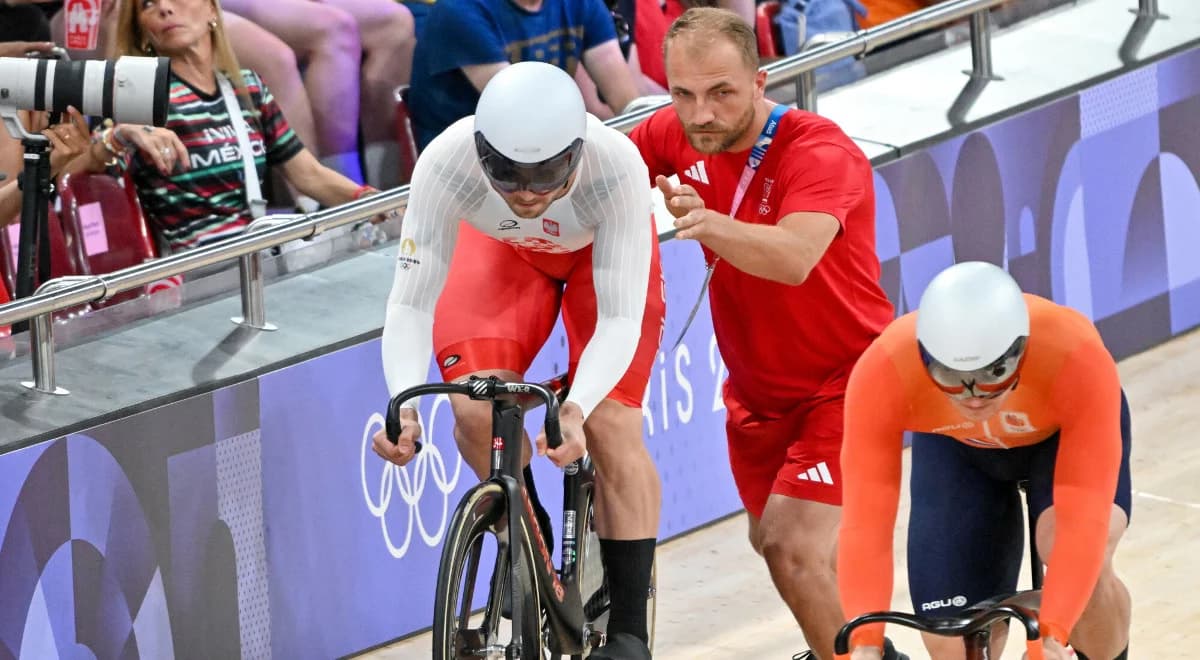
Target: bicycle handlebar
(961, 626)
(484, 389)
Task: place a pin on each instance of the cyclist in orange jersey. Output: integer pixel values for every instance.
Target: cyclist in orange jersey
(997, 387)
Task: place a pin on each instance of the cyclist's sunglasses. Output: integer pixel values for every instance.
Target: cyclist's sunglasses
(984, 383)
(509, 176)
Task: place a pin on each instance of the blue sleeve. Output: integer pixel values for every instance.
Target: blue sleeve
(470, 27)
(597, 23)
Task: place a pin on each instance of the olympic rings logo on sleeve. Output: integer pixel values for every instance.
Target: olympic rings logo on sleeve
(409, 483)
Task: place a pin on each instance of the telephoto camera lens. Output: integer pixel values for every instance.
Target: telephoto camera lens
(129, 89)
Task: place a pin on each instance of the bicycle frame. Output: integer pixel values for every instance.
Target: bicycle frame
(556, 588)
(564, 608)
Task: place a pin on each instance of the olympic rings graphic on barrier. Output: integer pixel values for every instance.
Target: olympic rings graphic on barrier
(410, 482)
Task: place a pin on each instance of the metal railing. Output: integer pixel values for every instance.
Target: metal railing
(1149, 9)
(268, 232)
(799, 68)
(271, 231)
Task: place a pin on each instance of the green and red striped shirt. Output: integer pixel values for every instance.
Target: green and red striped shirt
(208, 203)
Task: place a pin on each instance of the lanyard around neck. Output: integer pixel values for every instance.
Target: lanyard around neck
(757, 153)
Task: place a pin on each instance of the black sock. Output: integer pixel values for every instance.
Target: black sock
(628, 565)
(543, 518)
(1123, 656)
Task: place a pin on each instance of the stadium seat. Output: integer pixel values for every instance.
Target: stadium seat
(65, 257)
(101, 214)
(105, 214)
(764, 27)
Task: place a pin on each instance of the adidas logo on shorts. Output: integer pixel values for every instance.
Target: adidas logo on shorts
(818, 473)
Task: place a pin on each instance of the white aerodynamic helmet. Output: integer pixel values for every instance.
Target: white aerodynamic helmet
(972, 327)
(530, 124)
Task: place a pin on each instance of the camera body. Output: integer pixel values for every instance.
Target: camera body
(129, 89)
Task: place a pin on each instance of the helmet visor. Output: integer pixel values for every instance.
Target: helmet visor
(986, 382)
(509, 176)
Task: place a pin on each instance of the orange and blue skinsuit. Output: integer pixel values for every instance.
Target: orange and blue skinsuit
(1067, 405)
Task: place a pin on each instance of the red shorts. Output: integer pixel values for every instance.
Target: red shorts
(796, 454)
(500, 304)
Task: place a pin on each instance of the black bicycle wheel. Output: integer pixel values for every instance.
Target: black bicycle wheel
(593, 583)
(460, 630)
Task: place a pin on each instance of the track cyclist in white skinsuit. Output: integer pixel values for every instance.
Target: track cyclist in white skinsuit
(529, 207)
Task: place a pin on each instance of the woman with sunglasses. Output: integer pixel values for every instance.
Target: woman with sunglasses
(997, 387)
(195, 181)
(529, 207)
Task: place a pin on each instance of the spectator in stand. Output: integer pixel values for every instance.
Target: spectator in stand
(466, 42)
(632, 21)
(649, 27)
(800, 21)
(190, 175)
(275, 62)
(257, 50)
(388, 39)
(743, 8)
(652, 20)
(356, 53)
(261, 52)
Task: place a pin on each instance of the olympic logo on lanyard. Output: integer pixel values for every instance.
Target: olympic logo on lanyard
(427, 470)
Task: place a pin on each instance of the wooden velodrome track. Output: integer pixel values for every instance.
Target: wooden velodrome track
(716, 600)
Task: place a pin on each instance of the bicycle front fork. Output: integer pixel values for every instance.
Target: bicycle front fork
(978, 645)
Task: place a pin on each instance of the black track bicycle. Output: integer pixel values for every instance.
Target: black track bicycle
(528, 608)
(973, 624)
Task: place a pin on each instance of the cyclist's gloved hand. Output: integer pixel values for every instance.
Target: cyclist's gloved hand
(406, 446)
(573, 447)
